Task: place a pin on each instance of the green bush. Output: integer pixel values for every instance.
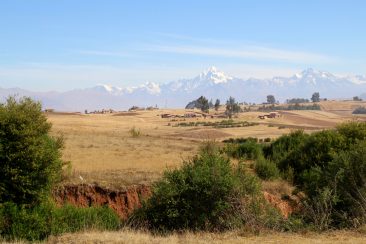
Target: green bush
(37, 223)
(72, 219)
(330, 168)
(249, 149)
(359, 110)
(279, 149)
(265, 169)
(30, 158)
(346, 175)
(20, 222)
(319, 208)
(352, 132)
(312, 157)
(205, 194)
(240, 140)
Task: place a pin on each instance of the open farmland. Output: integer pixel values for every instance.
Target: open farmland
(130, 148)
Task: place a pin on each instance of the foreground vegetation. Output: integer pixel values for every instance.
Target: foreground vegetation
(39, 222)
(209, 194)
(328, 167)
(30, 166)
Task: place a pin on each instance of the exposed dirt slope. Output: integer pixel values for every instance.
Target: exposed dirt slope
(127, 200)
(121, 201)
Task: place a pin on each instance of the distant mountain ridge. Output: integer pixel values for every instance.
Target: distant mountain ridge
(211, 83)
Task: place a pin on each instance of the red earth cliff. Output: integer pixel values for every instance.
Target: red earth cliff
(124, 202)
(86, 195)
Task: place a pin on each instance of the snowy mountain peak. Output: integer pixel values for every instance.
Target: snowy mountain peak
(357, 79)
(311, 73)
(312, 76)
(215, 76)
(210, 83)
(108, 88)
(152, 88)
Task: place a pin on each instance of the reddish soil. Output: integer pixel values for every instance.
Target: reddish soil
(124, 202)
(286, 207)
(121, 201)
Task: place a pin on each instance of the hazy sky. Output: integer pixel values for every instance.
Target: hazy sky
(66, 44)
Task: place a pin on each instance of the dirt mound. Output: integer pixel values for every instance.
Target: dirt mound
(203, 134)
(286, 207)
(86, 195)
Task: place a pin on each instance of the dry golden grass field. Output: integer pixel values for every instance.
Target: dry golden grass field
(127, 148)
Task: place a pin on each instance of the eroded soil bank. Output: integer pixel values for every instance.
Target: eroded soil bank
(122, 201)
(125, 201)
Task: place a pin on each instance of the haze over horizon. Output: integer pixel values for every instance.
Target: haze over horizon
(69, 45)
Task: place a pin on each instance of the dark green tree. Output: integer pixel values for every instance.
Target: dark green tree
(271, 99)
(232, 107)
(217, 104)
(202, 103)
(30, 159)
(315, 97)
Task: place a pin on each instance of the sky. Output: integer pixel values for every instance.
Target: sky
(62, 45)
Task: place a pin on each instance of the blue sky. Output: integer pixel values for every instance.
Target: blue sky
(61, 45)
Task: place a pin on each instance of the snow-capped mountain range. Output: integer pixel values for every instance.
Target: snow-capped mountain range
(210, 83)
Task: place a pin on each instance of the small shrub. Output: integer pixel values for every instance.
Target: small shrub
(20, 222)
(359, 110)
(248, 150)
(72, 219)
(207, 193)
(347, 175)
(319, 209)
(278, 150)
(37, 223)
(134, 132)
(266, 169)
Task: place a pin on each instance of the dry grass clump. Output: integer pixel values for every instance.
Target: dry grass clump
(278, 188)
(135, 132)
(131, 236)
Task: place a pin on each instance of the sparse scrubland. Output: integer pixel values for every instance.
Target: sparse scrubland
(216, 195)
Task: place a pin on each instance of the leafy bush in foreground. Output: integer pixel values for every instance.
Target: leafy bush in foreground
(37, 223)
(278, 150)
(205, 194)
(30, 158)
(249, 149)
(265, 169)
(330, 168)
(347, 176)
